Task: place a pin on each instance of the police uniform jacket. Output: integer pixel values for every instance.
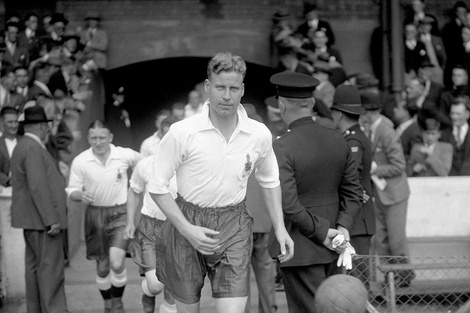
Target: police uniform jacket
(320, 189)
(362, 155)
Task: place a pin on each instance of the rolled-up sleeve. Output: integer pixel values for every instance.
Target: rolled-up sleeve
(137, 182)
(267, 169)
(167, 160)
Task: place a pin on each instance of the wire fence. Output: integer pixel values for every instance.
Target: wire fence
(424, 284)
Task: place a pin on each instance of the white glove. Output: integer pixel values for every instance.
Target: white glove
(345, 258)
(337, 241)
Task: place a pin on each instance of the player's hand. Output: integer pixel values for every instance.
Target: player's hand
(203, 239)
(54, 230)
(87, 197)
(129, 231)
(286, 244)
(332, 233)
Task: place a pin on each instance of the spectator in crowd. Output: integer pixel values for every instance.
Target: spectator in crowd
(8, 95)
(417, 15)
(290, 62)
(416, 97)
(321, 114)
(8, 141)
(38, 206)
(452, 38)
(98, 178)
(207, 181)
(142, 246)
(459, 136)
(119, 120)
(13, 17)
(325, 90)
(177, 110)
(15, 54)
(317, 50)
(60, 83)
(313, 23)
(312, 223)
(432, 157)
(466, 43)
(415, 50)
(194, 105)
(432, 89)
(434, 45)
(58, 23)
(95, 40)
(391, 192)
(29, 36)
(41, 76)
(73, 49)
(407, 128)
(22, 81)
(282, 37)
(346, 110)
(150, 144)
(459, 88)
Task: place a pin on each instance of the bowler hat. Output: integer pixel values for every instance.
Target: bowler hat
(294, 85)
(281, 15)
(365, 80)
(35, 114)
(347, 99)
(427, 20)
(71, 35)
(371, 100)
(58, 17)
(93, 15)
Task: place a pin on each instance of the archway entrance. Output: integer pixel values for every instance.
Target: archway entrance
(155, 85)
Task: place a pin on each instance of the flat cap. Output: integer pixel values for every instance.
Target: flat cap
(294, 85)
(347, 99)
(371, 100)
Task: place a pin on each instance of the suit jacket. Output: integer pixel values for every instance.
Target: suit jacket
(414, 58)
(461, 155)
(25, 42)
(38, 198)
(96, 46)
(435, 92)
(410, 137)
(304, 28)
(437, 164)
(20, 57)
(4, 163)
(57, 81)
(362, 155)
(320, 189)
(387, 152)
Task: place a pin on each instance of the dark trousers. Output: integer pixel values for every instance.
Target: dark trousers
(264, 269)
(301, 283)
(44, 272)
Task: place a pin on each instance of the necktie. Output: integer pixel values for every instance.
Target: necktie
(458, 137)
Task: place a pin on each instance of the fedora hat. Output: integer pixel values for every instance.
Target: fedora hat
(365, 80)
(35, 114)
(347, 99)
(58, 17)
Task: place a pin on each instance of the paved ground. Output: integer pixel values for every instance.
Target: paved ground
(83, 296)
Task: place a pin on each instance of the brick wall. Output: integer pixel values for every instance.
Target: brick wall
(147, 30)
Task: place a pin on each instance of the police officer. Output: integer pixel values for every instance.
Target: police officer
(346, 110)
(321, 193)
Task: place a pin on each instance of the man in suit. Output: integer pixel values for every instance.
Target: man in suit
(29, 37)
(313, 23)
(95, 40)
(432, 89)
(407, 130)
(8, 141)
(459, 136)
(14, 54)
(321, 193)
(433, 43)
(391, 191)
(39, 207)
(459, 88)
(8, 96)
(41, 75)
(346, 110)
(58, 23)
(415, 51)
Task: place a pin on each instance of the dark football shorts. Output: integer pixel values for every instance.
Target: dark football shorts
(104, 228)
(182, 269)
(142, 247)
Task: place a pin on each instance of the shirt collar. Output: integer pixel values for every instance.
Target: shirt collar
(113, 154)
(35, 138)
(206, 123)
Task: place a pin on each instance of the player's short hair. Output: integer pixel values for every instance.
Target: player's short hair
(226, 62)
(99, 124)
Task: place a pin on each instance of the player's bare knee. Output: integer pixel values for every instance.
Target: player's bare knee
(102, 268)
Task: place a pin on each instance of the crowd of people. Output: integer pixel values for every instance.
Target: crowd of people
(216, 189)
